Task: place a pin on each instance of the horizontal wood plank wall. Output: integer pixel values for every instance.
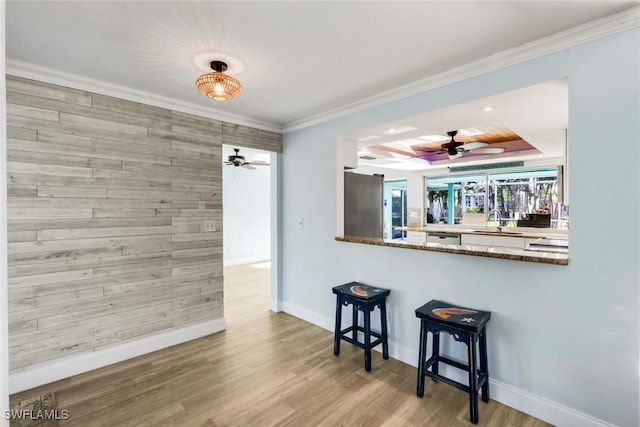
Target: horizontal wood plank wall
(107, 203)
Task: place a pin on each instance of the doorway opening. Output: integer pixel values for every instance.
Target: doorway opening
(395, 210)
(247, 221)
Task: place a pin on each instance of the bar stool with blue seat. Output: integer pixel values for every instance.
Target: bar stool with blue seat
(465, 325)
(363, 298)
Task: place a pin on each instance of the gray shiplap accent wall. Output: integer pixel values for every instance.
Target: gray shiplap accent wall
(107, 201)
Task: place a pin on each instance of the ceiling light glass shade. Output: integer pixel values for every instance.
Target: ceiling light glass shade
(455, 156)
(218, 85)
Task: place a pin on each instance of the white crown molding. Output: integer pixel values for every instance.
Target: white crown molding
(48, 75)
(593, 30)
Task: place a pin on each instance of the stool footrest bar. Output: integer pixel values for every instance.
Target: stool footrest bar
(482, 378)
(360, 329)
(446, 380)
(360, 344)
(453, 363)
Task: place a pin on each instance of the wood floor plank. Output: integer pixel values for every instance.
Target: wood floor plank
(265, 369)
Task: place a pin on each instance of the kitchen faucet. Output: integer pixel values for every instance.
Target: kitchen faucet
(499, 217)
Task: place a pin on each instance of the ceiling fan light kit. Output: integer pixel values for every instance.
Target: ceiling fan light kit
(218, 85)
(236, 160)
(455, 149)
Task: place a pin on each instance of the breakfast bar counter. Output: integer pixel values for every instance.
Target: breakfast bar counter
(517, 254)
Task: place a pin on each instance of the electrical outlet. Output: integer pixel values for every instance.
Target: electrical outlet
(209, 226)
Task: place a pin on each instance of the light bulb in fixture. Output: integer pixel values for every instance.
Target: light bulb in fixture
(218, 85)
(487, 109)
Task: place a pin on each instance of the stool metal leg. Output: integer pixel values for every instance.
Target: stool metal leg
(336, 337)
(473, 380)
(367, 338)
(421, 358)
(354, 322)
(435, 344)
(484, 366)
(383, 328)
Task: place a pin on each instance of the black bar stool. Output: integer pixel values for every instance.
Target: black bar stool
(465, 325)
(363, 298)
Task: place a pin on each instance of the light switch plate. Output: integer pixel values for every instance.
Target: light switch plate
(300, 222)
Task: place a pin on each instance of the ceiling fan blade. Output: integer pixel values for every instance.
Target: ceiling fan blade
(247, 166)
(434, 151)
(490, 150)
(260, 163)
(455, 156)
(473, 145)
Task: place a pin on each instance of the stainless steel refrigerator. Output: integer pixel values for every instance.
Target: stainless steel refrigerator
(363, 205)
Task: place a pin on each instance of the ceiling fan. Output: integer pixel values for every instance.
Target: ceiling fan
(456, 149)
(239, 161)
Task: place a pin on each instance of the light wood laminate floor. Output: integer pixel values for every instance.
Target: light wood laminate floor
(265, 369)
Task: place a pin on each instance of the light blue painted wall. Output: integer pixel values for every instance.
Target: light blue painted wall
(246, 214)
(569, 334)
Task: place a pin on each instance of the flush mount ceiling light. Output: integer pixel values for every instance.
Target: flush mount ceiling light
(218, 85)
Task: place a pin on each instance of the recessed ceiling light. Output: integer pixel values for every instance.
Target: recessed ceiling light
(487, 108)
(367, 138)
(401, 129)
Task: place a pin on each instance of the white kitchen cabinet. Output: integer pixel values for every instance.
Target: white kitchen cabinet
(417, 237)
(492, 241)
(444, 238)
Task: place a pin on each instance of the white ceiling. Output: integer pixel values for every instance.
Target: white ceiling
(295, 59)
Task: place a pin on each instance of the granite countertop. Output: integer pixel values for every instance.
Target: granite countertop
(491, 252)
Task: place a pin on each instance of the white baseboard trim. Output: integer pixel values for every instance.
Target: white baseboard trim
(275, 306)
(308, 315)
(250, 260)
(506, 394)
(48, 372)
(539, 407)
